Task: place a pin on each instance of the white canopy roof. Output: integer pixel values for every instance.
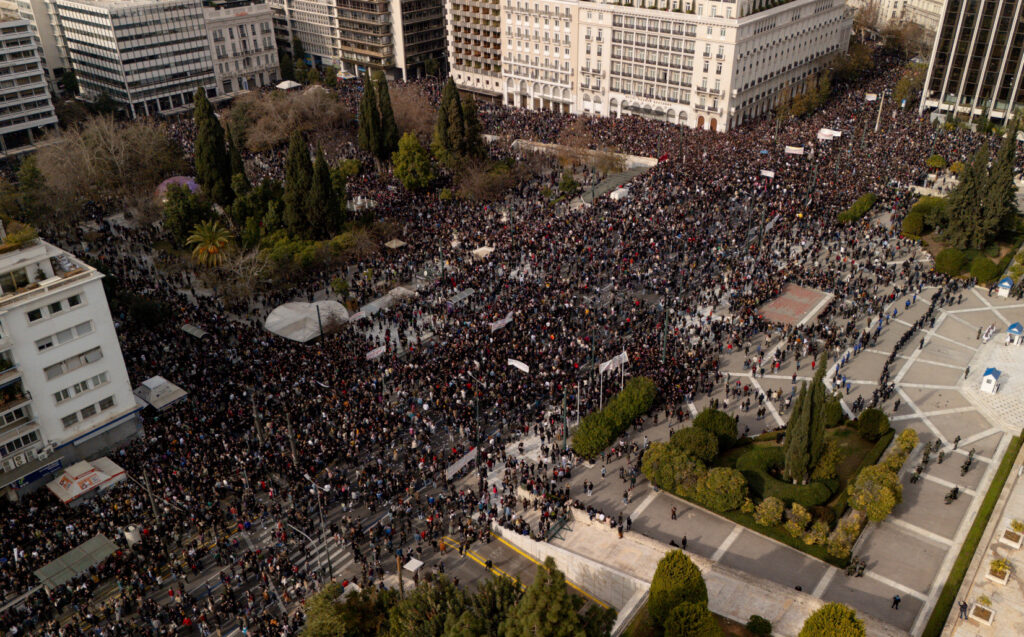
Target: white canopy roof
(83, 477)
(483, 252)
(394, 244)
(298, 321)
(288, 85)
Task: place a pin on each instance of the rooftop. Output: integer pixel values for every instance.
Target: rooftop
(31, 267)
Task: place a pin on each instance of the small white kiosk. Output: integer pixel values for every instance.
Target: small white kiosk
(990, 380)
(1004, 286)
(1015, 334)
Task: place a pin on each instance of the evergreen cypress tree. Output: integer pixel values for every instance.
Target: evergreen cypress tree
(450, 126)
(213, 167)
(965, 206)
(235, 157)
(321, 204)
(388, 129)
(298, 177)
(818, 395)
(369, 119)
(340, 214)
(1001, 194)
(474, 144)
(546, 608)
(798, 438)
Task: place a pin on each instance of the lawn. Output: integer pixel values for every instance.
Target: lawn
(963, 561)
(641, 626)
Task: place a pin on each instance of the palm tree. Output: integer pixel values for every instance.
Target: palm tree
(210, 239)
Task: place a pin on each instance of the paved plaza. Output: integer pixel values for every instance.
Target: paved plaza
(911, 553)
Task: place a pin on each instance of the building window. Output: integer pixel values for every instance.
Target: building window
(69, 420)
(35, 315)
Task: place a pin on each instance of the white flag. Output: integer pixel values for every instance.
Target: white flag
(497, 325)
(520, 365)
(376, 353)
(622, 359)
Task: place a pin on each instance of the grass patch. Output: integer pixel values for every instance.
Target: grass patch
(956, 576)
(838, 503)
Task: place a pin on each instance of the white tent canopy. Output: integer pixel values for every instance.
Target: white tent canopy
(287, 85)
(299, 322)
(394, 244)
(483, 252)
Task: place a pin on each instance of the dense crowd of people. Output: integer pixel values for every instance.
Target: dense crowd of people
(674, 275)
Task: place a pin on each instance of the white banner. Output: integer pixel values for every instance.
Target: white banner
(376, 353)
(827, 134)
(768, 173)
(520, 365)
(497, 325)
(357, 316)
(870, 97)
(794, 150)
(613, 363)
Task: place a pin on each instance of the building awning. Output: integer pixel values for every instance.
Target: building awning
(31, 471)
(159, 393)
(86, 477)
(192, 330)
(76, 561)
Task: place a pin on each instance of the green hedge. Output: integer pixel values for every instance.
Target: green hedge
(984, 269)
(956, 575)
(755, 464)
(870, 458)
(600, 428)
(950, 261)
(859, 208)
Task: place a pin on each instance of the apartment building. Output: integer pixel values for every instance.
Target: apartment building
(474, 45)
(37, 12)
(64, 389)
(241, 39)
(700, 63)
(400, 37)
(26, 112)
(976, 62)
(925, 13)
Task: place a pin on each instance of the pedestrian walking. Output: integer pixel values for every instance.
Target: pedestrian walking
(896, 601)
(683, 543)
(673, 513)
(963, 609)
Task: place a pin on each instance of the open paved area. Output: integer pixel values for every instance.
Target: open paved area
(909, 554)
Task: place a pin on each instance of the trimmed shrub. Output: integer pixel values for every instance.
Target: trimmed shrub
(769, 512)
(759, 626)
(859, 208)
(913, 224)
(672, 470)
(936, 162)
(818, 533)
(984, 269)
(876, 491)
(840, 540)
(699, 443)
(872, 423)
(719, 423)
(950, 261)
(676, 580)
(797, 520)
(747, 506)
(600, 428)
(907, 440)
(691, 620)
(721, 489)
(833, 620)
(755, 465)
(932, 210)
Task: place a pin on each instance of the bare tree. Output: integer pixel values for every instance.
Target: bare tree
(866, 18)
(413, 110)
(265, 121)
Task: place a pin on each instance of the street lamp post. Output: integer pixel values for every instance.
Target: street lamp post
(323, 525)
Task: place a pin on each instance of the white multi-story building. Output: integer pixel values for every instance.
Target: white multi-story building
(64, 389)
(241, 36)
(147, 55)
(474, 45)
(39, 15)
(702, 63)
(26, 112)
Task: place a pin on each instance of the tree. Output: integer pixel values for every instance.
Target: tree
(936, 162)
(210, 239)
(495, 600)
(236, 162)
(450, 125)
(369, 119)
(322, 215)
(876, 492)
(872, 424)
(546, 608)
(32, 190)
(388, 137)
(721, 489)
(719, 423)
(699, 443)
(950, 261)
(833, 620)
(672, 469)
(323, 613)
(299, 51)
(361, 613)
(798, 519)
(183, 209)
(965, 225)
(1000, 206)
(769, 512)
(798, 439)
(840, 540)
(298, 178)
(70, 82)
(913, 224)
(287, 67)
(676, 580)
(339, 182)
(412, 163)
(474, 144)
(691, 620)
(213, 166)
(425, 610)
(816, 433)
